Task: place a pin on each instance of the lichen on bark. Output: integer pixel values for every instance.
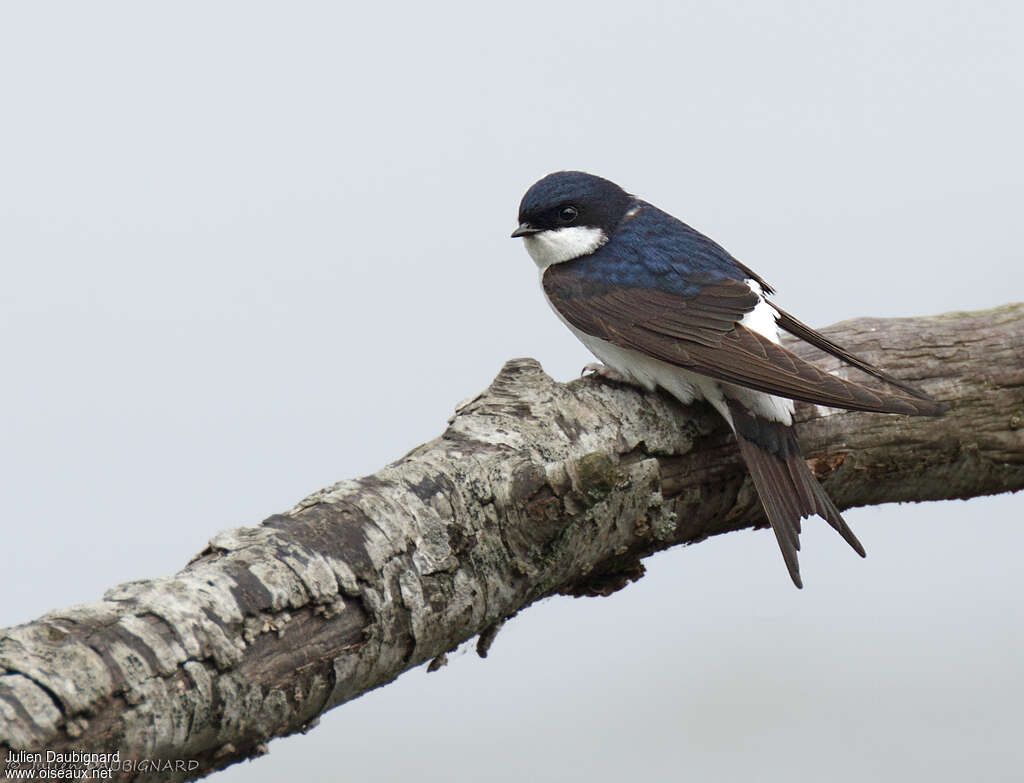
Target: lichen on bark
(534, 488)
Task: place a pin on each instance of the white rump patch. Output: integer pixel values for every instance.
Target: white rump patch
(763, 317)
(563, 244)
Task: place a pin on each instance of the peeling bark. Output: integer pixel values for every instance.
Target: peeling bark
(535, 488)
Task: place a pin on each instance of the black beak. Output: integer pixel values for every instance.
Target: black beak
(525, 230)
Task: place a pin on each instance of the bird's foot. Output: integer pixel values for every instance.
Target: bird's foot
(605, 372)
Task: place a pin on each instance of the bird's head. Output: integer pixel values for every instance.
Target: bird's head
(569, 214)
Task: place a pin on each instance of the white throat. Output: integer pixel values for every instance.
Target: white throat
(563, 244)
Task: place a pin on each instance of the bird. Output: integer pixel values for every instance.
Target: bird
(663, 306)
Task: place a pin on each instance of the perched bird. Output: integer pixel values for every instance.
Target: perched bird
(661, 305)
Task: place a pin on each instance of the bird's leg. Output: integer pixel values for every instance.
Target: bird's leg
(605, 372)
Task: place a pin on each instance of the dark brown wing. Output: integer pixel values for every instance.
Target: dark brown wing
(702, 333)
(601, 310)
(822, 343)
(756, 362)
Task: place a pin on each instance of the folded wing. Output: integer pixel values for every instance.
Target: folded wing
(703, 333)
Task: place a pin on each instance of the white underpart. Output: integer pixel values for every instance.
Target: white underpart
(563, 244)
(687, 386)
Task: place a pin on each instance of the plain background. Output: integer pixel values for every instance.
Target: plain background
(247, 249)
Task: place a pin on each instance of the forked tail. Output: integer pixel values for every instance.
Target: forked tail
(787, 488)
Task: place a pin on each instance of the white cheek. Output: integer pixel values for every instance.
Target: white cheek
(763, 317)
(563, 244)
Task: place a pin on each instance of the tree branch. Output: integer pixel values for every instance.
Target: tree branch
(535, 488)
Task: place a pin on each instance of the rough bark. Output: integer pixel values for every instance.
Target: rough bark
(534, 488)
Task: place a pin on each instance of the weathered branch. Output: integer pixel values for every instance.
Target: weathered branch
(534, 488)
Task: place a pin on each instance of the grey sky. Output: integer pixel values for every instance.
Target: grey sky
(247, 249)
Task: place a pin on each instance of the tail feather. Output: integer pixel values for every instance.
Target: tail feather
(787, 488)
(826, 509)
(803, 482)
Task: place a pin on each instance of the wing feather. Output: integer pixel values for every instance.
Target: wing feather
(821, 342)
(703, 333)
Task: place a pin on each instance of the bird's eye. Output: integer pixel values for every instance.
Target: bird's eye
(567, 214)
